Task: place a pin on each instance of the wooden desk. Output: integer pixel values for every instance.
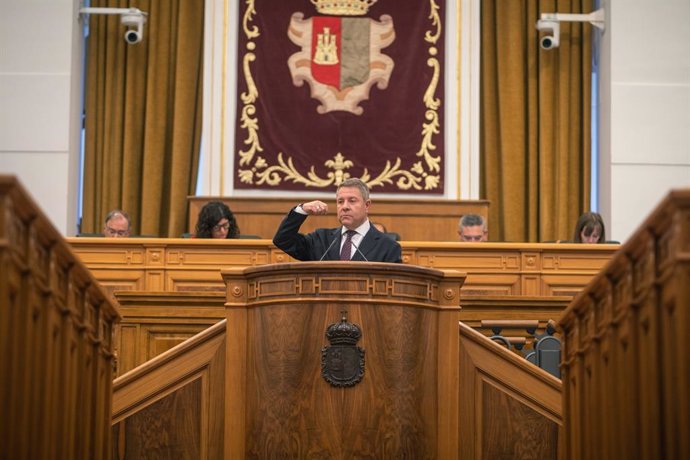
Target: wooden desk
(531, 269)
(432, 220)
(176, 265)
(168, 264)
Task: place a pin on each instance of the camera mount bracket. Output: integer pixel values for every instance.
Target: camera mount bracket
(551, 22)
(132, 18)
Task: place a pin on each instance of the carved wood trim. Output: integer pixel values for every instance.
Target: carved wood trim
(625, 346)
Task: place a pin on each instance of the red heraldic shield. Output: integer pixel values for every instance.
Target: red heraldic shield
(340, 51)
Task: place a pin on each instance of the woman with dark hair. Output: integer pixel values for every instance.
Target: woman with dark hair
(216, 221)
(590, 229)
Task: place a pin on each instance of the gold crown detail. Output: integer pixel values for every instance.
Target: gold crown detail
(343, 7)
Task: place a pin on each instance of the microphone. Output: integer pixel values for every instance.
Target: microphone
(328, 249)
(360, 252)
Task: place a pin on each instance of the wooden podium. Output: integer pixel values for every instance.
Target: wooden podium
(278, 402)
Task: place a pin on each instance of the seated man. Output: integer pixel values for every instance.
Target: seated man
(355, 239)
(472, 227)
(117, 224)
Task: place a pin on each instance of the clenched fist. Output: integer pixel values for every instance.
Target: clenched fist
(316, 208)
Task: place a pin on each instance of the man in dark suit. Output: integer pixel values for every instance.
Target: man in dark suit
(356, 239)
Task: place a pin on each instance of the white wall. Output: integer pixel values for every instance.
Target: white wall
(645, 108)
(40, 95)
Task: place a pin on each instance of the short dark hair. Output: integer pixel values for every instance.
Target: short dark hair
(210, 215)
(355, 182)
(472, 220)
(118, 213)
(589, 222)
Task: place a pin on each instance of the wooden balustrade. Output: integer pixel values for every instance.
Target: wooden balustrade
(55, 340)
(625, 366)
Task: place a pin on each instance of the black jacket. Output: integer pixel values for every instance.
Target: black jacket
(375, 246)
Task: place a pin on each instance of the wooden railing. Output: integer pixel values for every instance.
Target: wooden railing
(55, 340)
(173, 406)
(476, 308)
(173, 264)
(626, 366)
(509, 408)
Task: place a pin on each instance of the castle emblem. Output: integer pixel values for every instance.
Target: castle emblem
(341, 55)
(326, 52)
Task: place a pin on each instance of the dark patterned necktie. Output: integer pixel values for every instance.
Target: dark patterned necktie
(346, 252)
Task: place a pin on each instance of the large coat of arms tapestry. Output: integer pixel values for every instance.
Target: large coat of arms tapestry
(332, 89)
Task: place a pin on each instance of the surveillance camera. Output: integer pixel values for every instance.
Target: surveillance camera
(547, 42)
(132, 36)
(134, 20)
(553, 29)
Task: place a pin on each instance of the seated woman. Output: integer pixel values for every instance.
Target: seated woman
(216, 221)
(589, 229)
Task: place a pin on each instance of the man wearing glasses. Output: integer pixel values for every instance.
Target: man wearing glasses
(117, 224)
(472, 228)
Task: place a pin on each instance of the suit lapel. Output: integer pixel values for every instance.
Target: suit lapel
(334, 252)
(368, 242)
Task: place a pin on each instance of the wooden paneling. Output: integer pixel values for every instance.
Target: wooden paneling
(173, 265)
(172, 406)
(154, 322)
(413, 220)
(56, 345)
(530, 269)
(508, 407)
(170, 427)
(626, 346)
(167, 264)
(511, 428)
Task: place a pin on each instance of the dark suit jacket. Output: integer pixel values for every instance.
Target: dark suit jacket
(375, 246)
